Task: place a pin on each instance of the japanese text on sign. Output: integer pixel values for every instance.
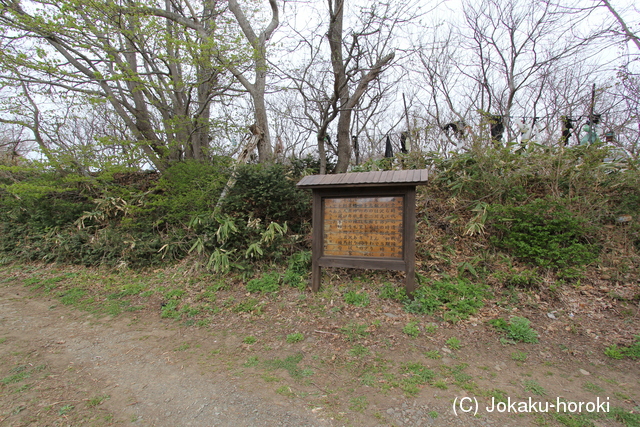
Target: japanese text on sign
(363, 226)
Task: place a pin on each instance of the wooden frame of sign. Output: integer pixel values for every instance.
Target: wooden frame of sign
(364, 220)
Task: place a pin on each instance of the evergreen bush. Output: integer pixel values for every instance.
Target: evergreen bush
(543, 232)
(268, 192)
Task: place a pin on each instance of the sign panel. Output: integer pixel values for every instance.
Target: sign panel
(363, 226)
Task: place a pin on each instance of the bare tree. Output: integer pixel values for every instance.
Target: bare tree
(160, 66)
(344, 80)
(629, 35)
(346, 96)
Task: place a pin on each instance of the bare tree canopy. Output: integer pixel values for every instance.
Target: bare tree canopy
(162, 81)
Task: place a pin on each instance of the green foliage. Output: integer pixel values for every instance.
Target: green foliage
(525, 279)
(415, 374)
(359, 299)
(268, 283)
(134, 219)
(519, 356)
(390, 291)
(632, 351)
(308, 165)
(249, 305)
(433, 354)
(359, 350)
(42, 199)
(497, 174)
(411, 329)
(518, 329)
(457, 297)
(249, 340)
(543, 232)
(453, 343)
(299, 264)
(533, 387)
(295, 337)
(268, 193)
(629, 419)
(499, 323)
(358, 404)
(187, 189)
(290, 364)
(354, 331)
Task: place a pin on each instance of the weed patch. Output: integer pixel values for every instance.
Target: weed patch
(359, 299)
(457, 297)
(415, 374)
(354, 331)
(532, 386)
(411, 329)
(269, 283)
(289, 364)
(632, 351)
(518, 329)
(295, 337)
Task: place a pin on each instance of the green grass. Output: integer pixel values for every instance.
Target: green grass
(632, 351)
(359, 351)
(411, 329)
(97, 400)
(354, 331)
(249, 305)
(415, 374)
(251, 361)
(289, 364)
(532, 386)
(453, 343)
(183, 347)
(295, 337)
(64, 410)
(358, 404)
(249, 340)
(15, 378)
(359, 299)
(72, 296)
(457, 298)
(593, 388)
(433, 354)
(519, 356)
(518, 329)
(269, 283)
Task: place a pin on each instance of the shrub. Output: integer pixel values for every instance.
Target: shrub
(298, 268)
(268, 193)
(186, 189)
(543, 232)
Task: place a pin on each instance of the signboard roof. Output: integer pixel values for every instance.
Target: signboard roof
(366, 179)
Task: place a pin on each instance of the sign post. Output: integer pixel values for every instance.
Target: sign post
(364, 220)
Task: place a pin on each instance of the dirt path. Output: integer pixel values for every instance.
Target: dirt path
(60, 366)
(84, 361)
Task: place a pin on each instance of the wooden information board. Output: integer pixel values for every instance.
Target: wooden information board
(363, 226)
(364, 220)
